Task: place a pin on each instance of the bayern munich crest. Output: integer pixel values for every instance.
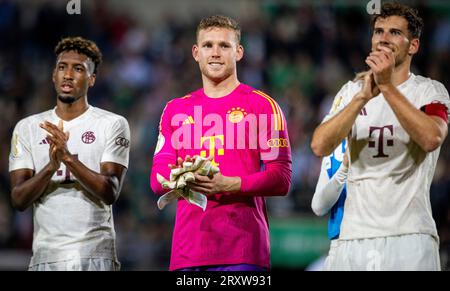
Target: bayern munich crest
(88, 137)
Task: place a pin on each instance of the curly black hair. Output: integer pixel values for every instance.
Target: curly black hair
(82, 46)
(415, 22)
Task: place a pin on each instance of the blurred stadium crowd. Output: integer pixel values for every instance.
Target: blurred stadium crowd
(300, 54)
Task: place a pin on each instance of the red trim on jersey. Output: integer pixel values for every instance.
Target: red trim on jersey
(436, 109)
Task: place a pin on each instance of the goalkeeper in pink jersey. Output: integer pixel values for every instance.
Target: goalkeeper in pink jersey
(244, 133)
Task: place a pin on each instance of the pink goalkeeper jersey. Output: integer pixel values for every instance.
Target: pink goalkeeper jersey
(245, 133)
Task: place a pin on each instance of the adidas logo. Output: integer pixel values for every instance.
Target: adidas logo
(363, 112)
(189, 120)
(45, 141)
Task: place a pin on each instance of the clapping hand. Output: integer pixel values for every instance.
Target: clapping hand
(58, 142)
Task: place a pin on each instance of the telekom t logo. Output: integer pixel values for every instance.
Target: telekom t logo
(212, 147)
(389, 142)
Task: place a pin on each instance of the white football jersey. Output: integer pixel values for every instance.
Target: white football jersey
(389, 178)
(69, 222)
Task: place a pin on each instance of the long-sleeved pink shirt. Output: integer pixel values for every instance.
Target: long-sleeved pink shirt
(246, 134)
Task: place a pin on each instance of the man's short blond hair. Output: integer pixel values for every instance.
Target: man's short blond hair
(220, 21)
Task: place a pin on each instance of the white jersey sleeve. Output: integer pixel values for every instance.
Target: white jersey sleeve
(20, 156)
(328, 190)
(342, 98)
(435, 92)
(118, 143)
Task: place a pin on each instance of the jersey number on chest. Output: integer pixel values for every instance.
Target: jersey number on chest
(67, 174)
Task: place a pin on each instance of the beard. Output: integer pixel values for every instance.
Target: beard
(398, 62)
(67, 99)
(400, 59)
(217, 77)
(400, 54)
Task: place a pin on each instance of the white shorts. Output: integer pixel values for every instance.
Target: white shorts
(78, 265)
(411, 252)
(331, 255)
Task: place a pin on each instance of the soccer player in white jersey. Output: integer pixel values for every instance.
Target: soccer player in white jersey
(331, 193)
(396, 122)
(69, 163)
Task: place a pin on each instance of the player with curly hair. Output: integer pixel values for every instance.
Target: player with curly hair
(69, 163)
